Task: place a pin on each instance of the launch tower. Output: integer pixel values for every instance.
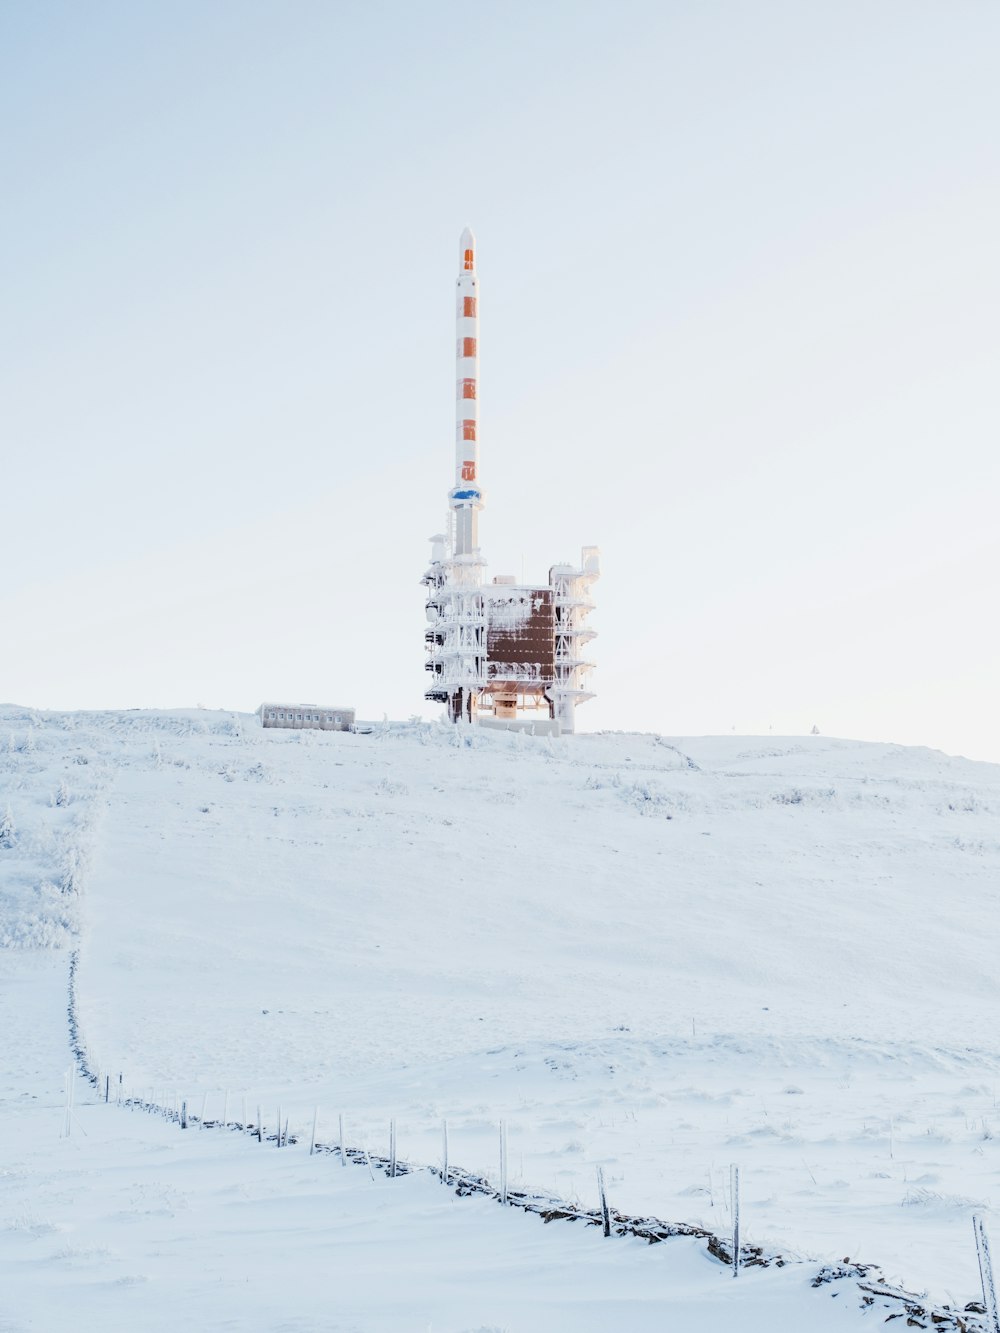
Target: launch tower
(509, 649)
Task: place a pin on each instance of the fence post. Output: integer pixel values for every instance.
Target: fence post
(392, 1149)
(605, 1211)
(444, 1152)
(279, 1128)
(184, 1115)
(734, 1188)
(986, 1275)
(503, 1162)
(107, 1087)
(68, 1113)
(260, 1128)
(343, 1159)
(312, 1141)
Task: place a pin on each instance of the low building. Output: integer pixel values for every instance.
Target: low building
(300, 717)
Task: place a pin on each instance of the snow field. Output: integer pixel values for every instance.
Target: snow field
(658, 957)
(130, 1222)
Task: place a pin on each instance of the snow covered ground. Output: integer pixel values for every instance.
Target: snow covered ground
(130, 1223)
(657, 956)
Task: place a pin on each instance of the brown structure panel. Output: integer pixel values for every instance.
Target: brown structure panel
(520, 634)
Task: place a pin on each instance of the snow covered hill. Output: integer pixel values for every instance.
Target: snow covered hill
(659, 956)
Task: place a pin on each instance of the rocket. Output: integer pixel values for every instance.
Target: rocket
(499, 646)
(466, 499)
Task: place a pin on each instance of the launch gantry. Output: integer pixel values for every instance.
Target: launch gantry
(507, 647)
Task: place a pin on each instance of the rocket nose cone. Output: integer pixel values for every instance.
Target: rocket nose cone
(467, 249)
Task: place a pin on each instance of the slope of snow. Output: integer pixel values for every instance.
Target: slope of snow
(655, 956)
(128, 1222)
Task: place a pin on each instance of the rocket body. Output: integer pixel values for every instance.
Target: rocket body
(466, 498)
(511, 648)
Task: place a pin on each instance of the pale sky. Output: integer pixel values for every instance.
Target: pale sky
(739, 306)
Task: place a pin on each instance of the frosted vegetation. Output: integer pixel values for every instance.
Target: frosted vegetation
(655, 956)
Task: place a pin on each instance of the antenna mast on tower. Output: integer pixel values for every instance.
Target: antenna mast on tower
(513, 646)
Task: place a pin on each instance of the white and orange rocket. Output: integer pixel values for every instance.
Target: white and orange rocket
(466, 499)
(519, 646)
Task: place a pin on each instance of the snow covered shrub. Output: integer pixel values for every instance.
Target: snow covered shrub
(649, 800)
(821, 796)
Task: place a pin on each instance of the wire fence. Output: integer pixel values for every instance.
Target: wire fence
(729, 1249)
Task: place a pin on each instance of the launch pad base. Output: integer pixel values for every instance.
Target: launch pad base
(542, 726)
